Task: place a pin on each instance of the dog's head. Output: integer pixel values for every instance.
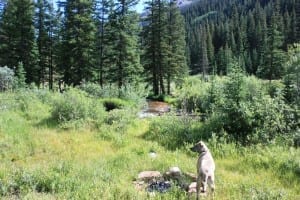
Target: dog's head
(200, 147)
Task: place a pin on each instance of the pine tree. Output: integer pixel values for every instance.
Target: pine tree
(102, 11)
(176, 66)
(17, 37)
(210, 47)
(287, 29)
(21, 76)
(273, 67)
(153, 43)
(164, 46)
(204, 64)
(297, 10)
(45, 22)
(78, 42)
(124, 56)
(292, 77)
(293, 28)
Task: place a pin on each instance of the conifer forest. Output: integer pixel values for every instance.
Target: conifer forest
(108, 42)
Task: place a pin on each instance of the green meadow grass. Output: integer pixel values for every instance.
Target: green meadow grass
(39, 160)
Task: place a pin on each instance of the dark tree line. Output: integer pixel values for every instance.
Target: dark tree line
(256, 34)
(106, 41)
(80, 41)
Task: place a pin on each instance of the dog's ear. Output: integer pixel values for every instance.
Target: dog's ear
(201, 143)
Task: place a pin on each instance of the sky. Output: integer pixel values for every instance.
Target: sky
(140, 6)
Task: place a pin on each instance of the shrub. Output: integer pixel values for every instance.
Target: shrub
(31, 104)
(192, 94)
(197, 95)
(74, 105)
(173, 132)
(243, 109)
(248, 114)
(121, 119)
(6, 78)
(133, 93)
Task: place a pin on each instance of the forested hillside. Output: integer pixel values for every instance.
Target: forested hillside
(256, 34)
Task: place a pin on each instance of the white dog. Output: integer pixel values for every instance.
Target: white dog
(205, 168)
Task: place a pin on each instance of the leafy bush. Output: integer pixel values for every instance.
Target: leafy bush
(120, 120)
(241, 108)
(6, 78)
(251, 116)
(192, 94)
(75, 105)
(174, 132)
(197, 95)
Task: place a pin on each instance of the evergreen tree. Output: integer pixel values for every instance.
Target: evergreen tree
(102, 11)
(176, 66)
(297, 10)
(21, 76)
(153, 39)
(124, 56)
(292, 77)
(164, 46)
(210, 47)
(273, 67)
(78, 42)
(45, 23)
(204, 64)
(293, 26)
(17, 42)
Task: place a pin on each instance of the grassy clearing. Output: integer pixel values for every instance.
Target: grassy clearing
(40, 161)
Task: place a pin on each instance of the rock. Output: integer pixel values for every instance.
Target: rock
(175, 171)
(149, 175)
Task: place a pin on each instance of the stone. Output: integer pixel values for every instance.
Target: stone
(175, 171)
(149, 175)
